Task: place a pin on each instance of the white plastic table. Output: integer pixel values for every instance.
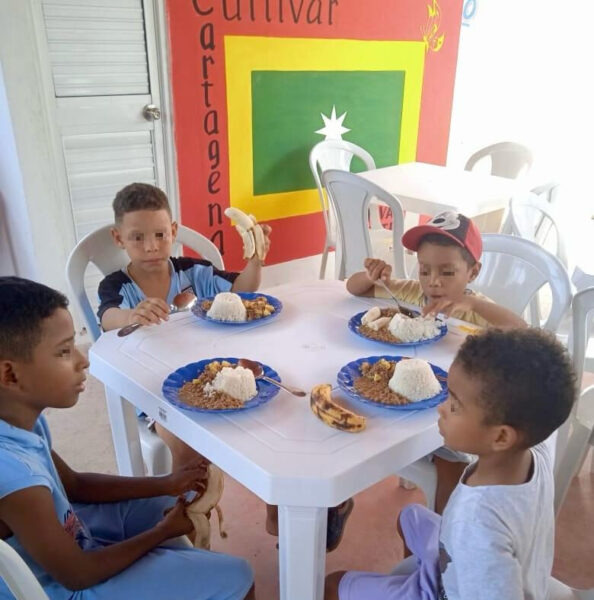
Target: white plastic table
(279, 450)
(429, 189)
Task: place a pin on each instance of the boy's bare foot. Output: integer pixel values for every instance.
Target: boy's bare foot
(331, 585)
(272, 519)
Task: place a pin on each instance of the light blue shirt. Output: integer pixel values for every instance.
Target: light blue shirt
(26, 461)
(118, 290)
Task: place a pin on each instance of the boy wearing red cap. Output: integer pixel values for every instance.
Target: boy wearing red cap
(448, 251)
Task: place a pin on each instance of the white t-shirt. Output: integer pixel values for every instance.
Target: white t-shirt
(497, 541)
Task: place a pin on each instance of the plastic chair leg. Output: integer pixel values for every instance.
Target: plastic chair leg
(324, 262)
(155, 453)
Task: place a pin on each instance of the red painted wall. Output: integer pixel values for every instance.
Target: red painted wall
(198, 73)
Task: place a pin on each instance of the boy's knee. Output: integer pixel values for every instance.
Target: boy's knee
(243, 573)
(331, 585)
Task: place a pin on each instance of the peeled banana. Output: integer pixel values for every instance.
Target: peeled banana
(332, 414)
(199, 510)
(254, 241)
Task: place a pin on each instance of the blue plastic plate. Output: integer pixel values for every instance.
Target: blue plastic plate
(355, 323)
(174, 382)
(347, 375)
(275, 302)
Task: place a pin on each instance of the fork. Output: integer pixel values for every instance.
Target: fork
(405, 311)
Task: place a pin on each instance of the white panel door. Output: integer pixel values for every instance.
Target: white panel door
(103, 66)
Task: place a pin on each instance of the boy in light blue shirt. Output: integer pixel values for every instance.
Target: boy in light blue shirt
(86, 536)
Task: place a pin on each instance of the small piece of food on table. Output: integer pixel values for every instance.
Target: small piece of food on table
(221, 385)
(414, 379)
(333, 414)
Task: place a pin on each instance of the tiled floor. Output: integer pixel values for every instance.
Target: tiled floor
(370, 541)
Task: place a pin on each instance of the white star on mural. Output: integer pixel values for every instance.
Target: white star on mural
(333, 128)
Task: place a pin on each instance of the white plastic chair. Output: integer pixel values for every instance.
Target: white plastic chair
(17, 575)
(513, 271)
(580, 425)
(533, 218)
(508, 159)
(352, 198)
(98, 248)
(334, 154)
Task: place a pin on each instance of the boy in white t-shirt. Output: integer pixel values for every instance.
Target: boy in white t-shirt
(508, 392)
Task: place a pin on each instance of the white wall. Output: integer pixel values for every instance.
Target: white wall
(16, 243)
(524, 74)
(37, 196)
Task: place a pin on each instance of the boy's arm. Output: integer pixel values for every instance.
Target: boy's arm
(31, 516)
(148, 312)
(361, 284)
(495, 314)
(249, 279)
(95, 487)
(113, 309)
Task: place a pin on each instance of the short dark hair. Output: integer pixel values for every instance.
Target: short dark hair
(527, 380)
(24, 305)
(139, 196)
(444, 240)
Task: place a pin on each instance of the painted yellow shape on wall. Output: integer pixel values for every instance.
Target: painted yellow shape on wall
(244, 54)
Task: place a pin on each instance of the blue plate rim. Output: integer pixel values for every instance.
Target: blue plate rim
(199, 312)
(170, 387)
(345, 383)
(355, 322)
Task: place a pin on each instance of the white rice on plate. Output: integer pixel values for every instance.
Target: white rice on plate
(237, 382)
(413, 330)
(227, 306)
(414, 379)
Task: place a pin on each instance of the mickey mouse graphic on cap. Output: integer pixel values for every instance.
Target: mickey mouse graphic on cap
(454, 225)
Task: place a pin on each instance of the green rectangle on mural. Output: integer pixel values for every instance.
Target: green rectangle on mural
(287, 109)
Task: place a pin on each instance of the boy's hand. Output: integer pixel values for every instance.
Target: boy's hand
(447, 306)
(175, 521)
(266, 230)
(150, 311)
(191, 477)
(377, 269)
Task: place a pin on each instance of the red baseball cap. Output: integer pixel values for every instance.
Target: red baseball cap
(453, 225)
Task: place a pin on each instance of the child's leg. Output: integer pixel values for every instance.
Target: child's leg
(420, 528)
(182, 574)
(448, 476)
(331, 585)
(181, 453)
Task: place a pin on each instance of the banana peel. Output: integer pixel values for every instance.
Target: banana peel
(199, 511)
(252, 235)
(331, 413)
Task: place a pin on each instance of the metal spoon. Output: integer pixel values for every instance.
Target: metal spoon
(405, 311)
(256, 369)
(182, 301)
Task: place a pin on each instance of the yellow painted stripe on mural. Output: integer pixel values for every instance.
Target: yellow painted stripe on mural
(244, 54)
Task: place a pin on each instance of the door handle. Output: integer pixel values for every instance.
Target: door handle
(151, 112)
